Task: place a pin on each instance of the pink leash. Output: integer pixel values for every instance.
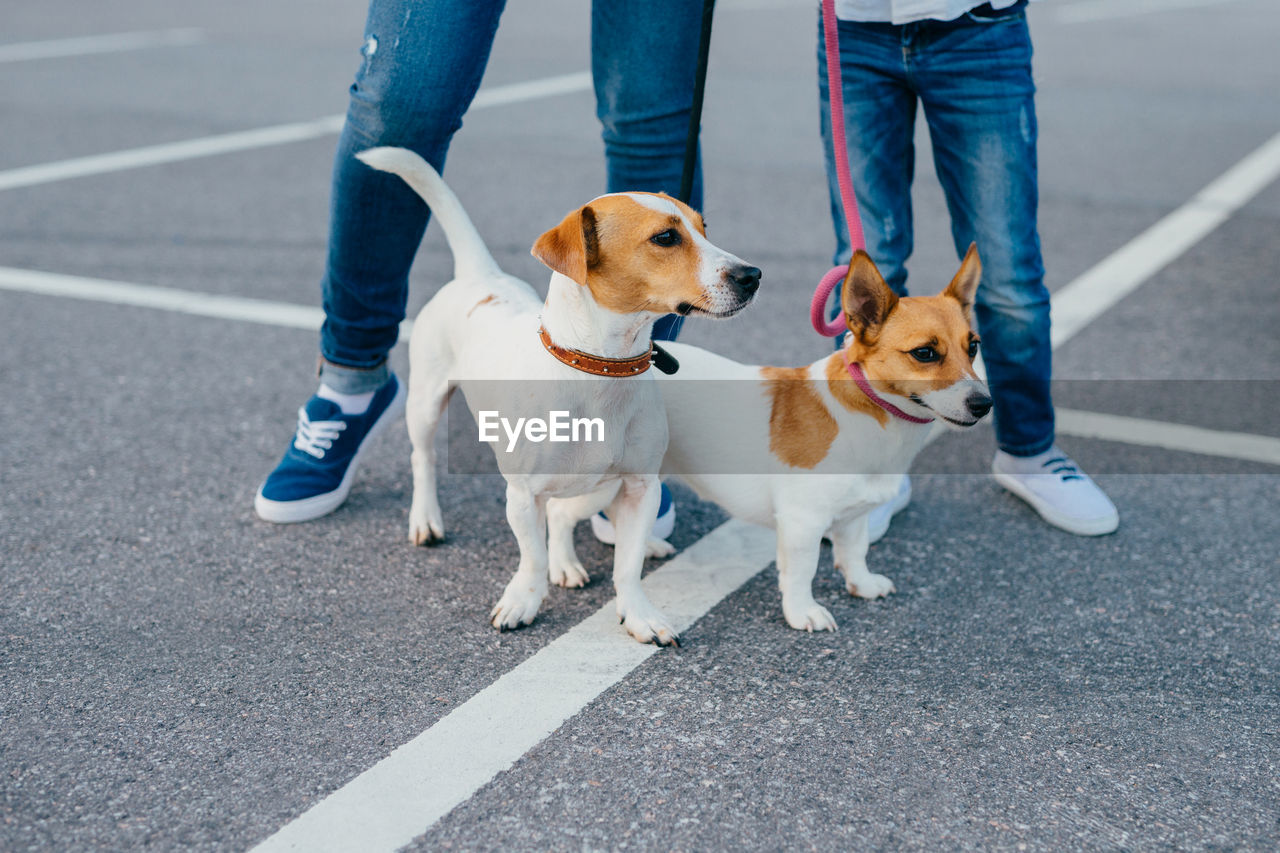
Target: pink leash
(818, 307)
(835, 90)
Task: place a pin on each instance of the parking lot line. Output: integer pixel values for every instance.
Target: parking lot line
(403, 795)
(171, 152)
(1093, 293)
(264, 137)
(245, 309)
(1169, 436)
(109, 43)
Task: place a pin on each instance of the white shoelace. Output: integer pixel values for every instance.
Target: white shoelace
(315, 437)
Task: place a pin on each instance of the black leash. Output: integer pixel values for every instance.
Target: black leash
(695, 115)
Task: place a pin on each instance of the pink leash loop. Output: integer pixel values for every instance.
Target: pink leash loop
(818, 307)
(835, 95)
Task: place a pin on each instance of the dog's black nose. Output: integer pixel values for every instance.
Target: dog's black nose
(746, 278)
(978, 405)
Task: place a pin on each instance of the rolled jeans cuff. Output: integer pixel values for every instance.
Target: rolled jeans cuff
(353, 380)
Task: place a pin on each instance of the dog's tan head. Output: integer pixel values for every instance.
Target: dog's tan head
(645, 252)
(918, 348)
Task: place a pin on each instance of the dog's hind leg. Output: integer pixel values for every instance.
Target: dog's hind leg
(527, 515)
(633, 511)
(799, 542)
(849, 546)
(563, 515)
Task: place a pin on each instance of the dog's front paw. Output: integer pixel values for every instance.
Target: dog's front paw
(647, 624)
(424, 529)
(808, 616)
(870, 585)
(569, 573)
(660, 548)
(518, 606)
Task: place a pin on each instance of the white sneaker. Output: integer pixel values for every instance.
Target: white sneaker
(663, 526)
(1058, 490)
(878, 519)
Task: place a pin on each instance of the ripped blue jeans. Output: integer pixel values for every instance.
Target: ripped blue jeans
(973, 78)
(422, 65)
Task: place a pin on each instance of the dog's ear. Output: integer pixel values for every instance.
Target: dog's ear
(572, 247)
(866, 299)
(965, 284)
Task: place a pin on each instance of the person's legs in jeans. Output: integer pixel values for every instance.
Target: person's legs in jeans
(644, 59)
(422, 64)
(974, 79)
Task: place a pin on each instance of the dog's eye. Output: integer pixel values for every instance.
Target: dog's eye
(670, 237)
(973, 349)
(925, 354)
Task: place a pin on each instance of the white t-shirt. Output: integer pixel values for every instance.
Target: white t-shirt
(906, 11)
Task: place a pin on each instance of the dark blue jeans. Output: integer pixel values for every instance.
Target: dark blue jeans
(973, 78)
(423, 60)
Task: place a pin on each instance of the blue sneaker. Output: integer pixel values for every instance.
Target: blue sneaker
(663, 525)
(316, 473)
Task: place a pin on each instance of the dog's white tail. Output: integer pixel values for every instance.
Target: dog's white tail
(471, 256)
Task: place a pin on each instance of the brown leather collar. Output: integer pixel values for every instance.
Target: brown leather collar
(595, 364)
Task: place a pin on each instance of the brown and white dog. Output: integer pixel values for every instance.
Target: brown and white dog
(619, 263)
(818, 448)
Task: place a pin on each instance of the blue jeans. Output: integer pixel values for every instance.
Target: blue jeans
(423, 60)
(973, 78)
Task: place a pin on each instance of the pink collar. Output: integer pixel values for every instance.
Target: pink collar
(860, 379)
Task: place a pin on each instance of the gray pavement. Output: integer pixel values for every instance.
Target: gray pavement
(177, 674)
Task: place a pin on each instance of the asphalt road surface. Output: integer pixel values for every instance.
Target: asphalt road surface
(175, 673)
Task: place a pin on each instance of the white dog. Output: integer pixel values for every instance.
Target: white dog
(619, 263)
(809, 451)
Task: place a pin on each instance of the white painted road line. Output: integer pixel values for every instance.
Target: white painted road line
(247, 140)
(163, 298)
(246, 309)
(171, 152)
(1169, 436)
(110, 43)
(403, 795)
(532, 90)
(1088, 11)
(243, 308)
(1079, 303)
